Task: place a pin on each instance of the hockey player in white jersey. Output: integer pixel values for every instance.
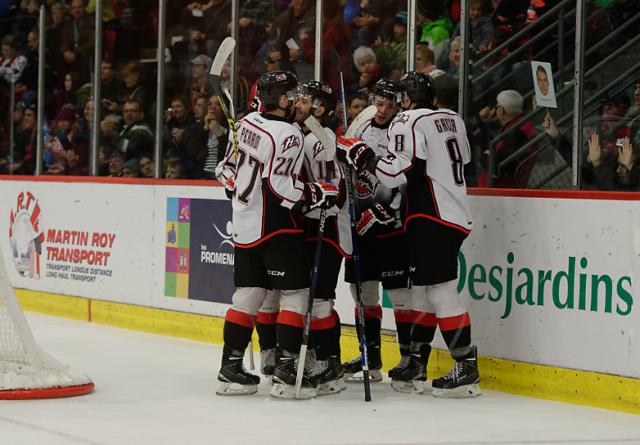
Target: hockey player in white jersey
(427, 153)
(381, 242)
(268, 202)
(319, 99)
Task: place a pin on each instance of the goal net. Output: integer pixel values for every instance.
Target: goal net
(26, 371)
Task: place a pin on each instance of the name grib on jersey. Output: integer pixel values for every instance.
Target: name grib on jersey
(224, 258)
(445, 125)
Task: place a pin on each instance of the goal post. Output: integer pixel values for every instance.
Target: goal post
(26, 371)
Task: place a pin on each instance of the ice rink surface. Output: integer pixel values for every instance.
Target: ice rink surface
(160, 390)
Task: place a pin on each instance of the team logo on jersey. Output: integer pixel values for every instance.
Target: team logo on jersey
(317, 149)
(25, 236)
(366, 185)
(401, 119)
(290, 142)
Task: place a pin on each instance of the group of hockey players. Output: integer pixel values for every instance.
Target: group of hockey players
(408, 193)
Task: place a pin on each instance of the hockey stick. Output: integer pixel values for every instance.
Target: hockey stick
(351, 197)
(224, 52)
(313, 290)
(364, 116)
(329, 148)
(330, 151)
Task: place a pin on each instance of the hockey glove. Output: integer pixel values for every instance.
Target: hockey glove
(229, 188)
(378, 214)
(354, 151)
(320, 195)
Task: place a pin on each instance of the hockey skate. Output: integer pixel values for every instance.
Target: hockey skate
(233, 378)
(411, 377)
(462, 381)
(284, 380)
(353, 368)
(268, 363)
(328, 375)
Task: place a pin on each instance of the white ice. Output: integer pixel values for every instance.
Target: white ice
(160, 390)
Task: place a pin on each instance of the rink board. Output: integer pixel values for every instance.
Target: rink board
(548, 278)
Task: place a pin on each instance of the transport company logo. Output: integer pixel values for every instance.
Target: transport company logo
(26, 236)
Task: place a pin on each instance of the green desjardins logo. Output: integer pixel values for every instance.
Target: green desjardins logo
(574, 288)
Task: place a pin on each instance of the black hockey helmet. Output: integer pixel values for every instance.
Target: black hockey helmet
(321, 93)
(385, 89)
(419, 87)
(275, 84)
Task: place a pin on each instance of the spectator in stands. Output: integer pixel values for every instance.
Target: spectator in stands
(26, 19)
(454, 58)
(434, 28)
(54, 37)
(299, 16)
(357, 103)
(27, 86)
(217, 135)
(23, 161)
(77, 40)
(75, 164)
(506, 115)
(131, 169)
(116, 162)
(12, 63)
(367, 65)
(180, 120)
(136, 136)
(225, 83)
(132, 77)
(367, 19)
(200, 85)
(110, 131)
(146, 166)
(393, 52)
(195, 141)
(111, 87)
(425, 61)
(608, 170)
(175, 170)
(482, 30)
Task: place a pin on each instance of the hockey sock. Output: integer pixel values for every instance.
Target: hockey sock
(238, 328)
(372, 326)
(266, 327)
(289, 331)
(337, 332)
(424, 327)
(404, 323)
(456, 332)
(322, 336)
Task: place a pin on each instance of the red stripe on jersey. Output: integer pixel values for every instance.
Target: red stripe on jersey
(261, 240)
(240, 318)
(427, 319)
(371, 311)
(320, 324)
(438, 220)
(404, 316)
(455, 322)
(267, 317)
(291, 319)
(389, 235)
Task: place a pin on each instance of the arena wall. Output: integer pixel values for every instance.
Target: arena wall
(548, 276)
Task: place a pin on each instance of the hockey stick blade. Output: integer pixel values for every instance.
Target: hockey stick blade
(329, 148)
(224, 51)
(365, 115)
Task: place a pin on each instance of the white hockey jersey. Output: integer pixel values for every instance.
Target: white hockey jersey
(267, 184)
(316, 168)
(368, 188)
(428, 150)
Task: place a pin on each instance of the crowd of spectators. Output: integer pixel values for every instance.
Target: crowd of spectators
(363, 40)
